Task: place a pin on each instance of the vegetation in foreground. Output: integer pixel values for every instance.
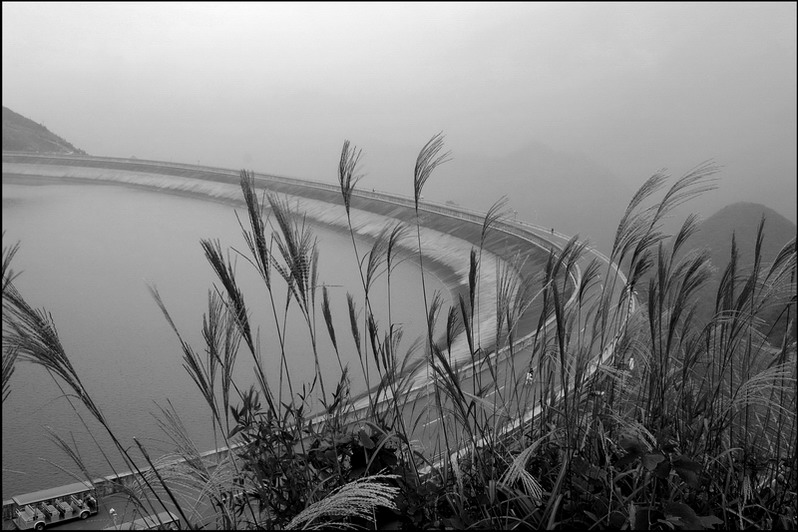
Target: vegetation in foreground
(682, 425)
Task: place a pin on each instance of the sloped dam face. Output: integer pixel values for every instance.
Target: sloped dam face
(95, 233)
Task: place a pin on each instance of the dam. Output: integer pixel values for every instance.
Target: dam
(448, 233)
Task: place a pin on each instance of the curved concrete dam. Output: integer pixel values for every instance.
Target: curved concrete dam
(448, 234)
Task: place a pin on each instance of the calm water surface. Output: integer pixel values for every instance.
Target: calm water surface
(87, 254)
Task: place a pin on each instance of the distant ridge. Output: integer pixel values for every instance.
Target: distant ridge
(23, 134)
(742, 219)
(715, 235)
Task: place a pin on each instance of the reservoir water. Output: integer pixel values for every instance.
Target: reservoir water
(87, 255)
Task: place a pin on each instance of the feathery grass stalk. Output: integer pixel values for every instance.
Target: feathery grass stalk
(357, 500)
(9, 360)
(225, 271)
(497, 212)
(348, 179)
(297, 248)
(10, 352)
(428, 159)
(8, 256)
(397, 233)
(264, 259)
(154, 469)
(325, 310)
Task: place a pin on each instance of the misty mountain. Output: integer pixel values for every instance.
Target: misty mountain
(742, 221)
(565, 191)
(23, 134)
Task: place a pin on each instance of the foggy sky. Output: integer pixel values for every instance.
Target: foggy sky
(632, 88)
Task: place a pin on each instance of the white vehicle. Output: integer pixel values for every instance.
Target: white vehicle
(43, 508)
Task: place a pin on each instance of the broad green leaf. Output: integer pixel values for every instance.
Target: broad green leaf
(710, 521)
(365, 440)
(685, 513)
(651, 460)
(687, 469)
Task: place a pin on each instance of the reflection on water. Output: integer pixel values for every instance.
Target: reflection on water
(87, 254)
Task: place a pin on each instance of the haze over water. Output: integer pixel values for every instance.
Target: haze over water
(87, 254)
